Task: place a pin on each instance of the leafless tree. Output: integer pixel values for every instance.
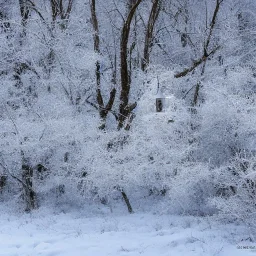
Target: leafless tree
(103, 108)
(125, 108)
(149, 36)
(206, 52)
(24, 11)
(58, 9)
(27, 179)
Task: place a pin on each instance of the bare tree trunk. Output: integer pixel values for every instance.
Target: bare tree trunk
(3, 180)
(24, 12)
(124, 108)
(127, 201)
(155, 10)
(54, 10)
(4, 23)
(58, 10)
(103, 110)
(27, 179)
(96, 41)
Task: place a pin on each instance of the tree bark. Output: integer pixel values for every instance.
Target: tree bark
(24, 11)
(124, 109)
(127, 201)
(103, 110)
(155, 10)
(59, 10)
(27, 179)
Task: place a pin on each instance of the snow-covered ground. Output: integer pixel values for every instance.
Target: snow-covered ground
(73, 234)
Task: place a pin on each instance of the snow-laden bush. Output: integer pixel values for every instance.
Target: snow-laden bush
(163, 155)
(191, 190)
(186, 154)
(236, 189)
(144, 160)
(227, 125)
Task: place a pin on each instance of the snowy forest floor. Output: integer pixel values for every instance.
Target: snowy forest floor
(77, 234)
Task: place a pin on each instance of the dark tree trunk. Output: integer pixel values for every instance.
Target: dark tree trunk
(58, 10)
(103, 110)
(124, 108)
(155, 10)
(24, 11)
(126, 199)
(27, 179)
(54, 9)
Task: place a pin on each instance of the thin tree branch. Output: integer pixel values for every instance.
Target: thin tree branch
(196, 64)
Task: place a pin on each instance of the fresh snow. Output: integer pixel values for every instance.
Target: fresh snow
(72, 234)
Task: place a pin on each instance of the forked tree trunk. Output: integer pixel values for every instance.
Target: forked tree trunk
(58, 9)
(103, 109)
(154, 14)
(24, 11)
(125, 108)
